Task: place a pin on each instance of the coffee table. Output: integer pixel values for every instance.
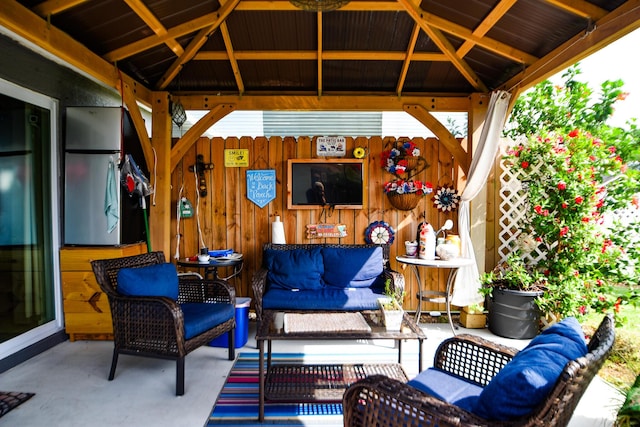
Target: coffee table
(272, 328)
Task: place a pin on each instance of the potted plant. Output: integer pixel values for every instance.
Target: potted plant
(473, 317)
(512, 290)
(405, 194)
(391, 308)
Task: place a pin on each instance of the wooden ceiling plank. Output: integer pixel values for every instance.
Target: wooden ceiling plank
(487, 23)
(232, 60)
(33, 28)
(613, 26)
(407, 61)
(582, 8)
(152, 22)
(442, 133)
(216, 113)
(196, 43)
(52, 7)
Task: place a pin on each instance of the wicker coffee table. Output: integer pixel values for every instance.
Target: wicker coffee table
(327, 326)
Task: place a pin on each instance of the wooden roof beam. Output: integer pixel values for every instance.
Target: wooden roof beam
(444, 45)
(311, 55)
(581, 8)
(407, 61)
(487, 23)
(152, 22)
(232, 59)
(52, 7)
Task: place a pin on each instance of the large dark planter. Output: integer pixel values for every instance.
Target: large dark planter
(514, 314)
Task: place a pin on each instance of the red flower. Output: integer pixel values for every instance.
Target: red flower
(524, 165)
(574, 133)
(562, 185)
(579, 199)
(564, 205)
(538, 209)
(563, 231)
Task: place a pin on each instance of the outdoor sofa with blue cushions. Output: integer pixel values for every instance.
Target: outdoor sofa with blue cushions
(323, 277)
(475, 382)
(157, 313)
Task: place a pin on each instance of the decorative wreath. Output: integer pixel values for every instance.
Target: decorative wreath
(446, 199)
(379, 233)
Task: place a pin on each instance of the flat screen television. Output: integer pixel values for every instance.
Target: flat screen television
(334, 183)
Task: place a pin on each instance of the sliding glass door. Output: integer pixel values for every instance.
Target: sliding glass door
(29, 300)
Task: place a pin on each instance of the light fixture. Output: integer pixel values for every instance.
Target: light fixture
(319, 5)
(178, 115)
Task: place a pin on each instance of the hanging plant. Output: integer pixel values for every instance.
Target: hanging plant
(446, 199)
(403, 157)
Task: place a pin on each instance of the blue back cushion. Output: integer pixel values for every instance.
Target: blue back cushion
(158, 280)
(528, 378)
(294, 269)
(352, 267)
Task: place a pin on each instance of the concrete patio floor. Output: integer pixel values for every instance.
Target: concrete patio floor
(70, 382)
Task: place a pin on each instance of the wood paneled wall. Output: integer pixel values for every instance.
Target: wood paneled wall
(229, 220)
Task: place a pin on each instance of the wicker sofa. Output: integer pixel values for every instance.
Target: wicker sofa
(378, 400)
(323, 277)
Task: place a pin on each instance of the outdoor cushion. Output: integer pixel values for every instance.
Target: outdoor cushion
(200, 317)
(447, 387)
(158, 280)
(352, 267)
(328, 298)
(294, 269)
(526, 380)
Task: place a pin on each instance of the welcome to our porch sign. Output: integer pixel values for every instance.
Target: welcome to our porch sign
(261, 186)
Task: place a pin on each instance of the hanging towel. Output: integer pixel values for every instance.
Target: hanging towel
(111, 198)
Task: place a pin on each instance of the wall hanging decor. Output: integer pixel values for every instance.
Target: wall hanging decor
(379, 233)
(261, 186)
(200, 167)
(236, 157)
(446, 199)
(405, 195)
(331, 146)
(318, 231)
(402, 158)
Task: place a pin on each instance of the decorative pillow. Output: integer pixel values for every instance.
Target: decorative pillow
(528, 378)
(294, 269)
(158, 280)
(352, 267)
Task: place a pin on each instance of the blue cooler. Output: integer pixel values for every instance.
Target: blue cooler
(242, 326)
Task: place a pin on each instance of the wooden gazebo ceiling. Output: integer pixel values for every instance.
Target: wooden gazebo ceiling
(246, 48)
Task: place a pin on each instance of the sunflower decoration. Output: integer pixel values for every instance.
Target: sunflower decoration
(446, 199)
(359, 153)
(379, 233)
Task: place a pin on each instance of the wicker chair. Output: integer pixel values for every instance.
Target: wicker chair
(378, 400)
(154, 326)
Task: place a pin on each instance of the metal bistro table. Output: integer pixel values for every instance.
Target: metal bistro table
(211, 267)
(435, 296)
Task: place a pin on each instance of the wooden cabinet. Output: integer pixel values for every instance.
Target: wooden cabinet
(86, 307)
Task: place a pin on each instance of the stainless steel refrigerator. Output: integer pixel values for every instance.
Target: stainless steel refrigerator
(94, 137)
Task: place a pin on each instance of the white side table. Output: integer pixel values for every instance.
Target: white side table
(434, 296)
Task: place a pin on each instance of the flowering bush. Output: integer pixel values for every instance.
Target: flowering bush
(563, 177)
(394, 160)
(401, 186)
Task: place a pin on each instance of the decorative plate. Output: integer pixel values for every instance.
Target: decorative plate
(379, 233)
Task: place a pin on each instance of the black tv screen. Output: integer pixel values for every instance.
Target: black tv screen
(335, 183)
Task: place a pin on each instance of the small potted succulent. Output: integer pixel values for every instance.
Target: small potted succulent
(391, 307)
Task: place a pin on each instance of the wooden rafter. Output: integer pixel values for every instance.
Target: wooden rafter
(407, 60)
(152, 22)
(487, 23)
(232, 60)
(580, 8)
(52, 7)
(312, 55)
(444, 45)
(196, 43)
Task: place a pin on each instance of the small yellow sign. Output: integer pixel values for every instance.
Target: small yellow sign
(236, 157)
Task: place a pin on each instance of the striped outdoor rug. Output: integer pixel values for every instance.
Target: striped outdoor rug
(237, 403)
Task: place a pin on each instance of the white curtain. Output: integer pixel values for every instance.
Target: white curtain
(465, 291)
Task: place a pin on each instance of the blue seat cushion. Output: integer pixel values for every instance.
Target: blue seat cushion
(158, 280)
(294, 269)
(328, 299)
(454, 390)
(352, 267)
(200, 317)
(528, 378)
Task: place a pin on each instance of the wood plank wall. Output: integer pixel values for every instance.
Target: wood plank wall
(229, 220)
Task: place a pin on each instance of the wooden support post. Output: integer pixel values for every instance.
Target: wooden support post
(160, 211)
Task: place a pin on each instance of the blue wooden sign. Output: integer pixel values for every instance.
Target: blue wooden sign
(261, 186)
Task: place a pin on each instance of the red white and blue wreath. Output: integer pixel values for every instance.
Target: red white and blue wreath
(379, 233)
(446, 199)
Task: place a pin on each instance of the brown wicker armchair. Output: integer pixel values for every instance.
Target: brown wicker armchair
(154, 326)
(378, 400)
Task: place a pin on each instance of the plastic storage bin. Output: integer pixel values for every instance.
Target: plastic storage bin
(242, 326)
